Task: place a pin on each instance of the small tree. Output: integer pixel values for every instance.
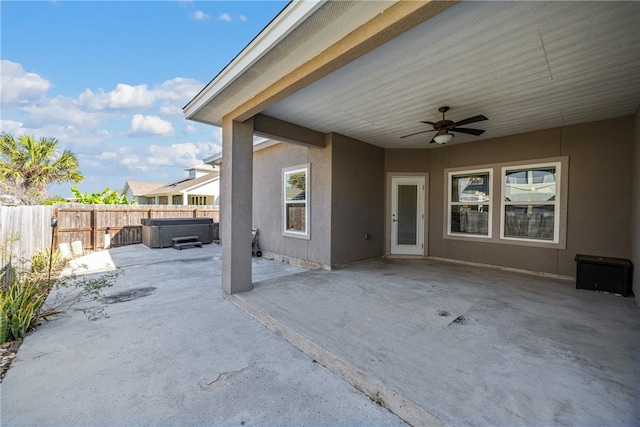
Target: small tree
(28, 166)
(106, 197)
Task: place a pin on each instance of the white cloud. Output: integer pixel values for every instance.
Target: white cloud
(200, 15)
(132, 162)
(216, 134)
(123, 97)
(183, 154)
(224, 17)
(101, 126)
(242, 18)
(150, 125)
(108, 155)
(59, 110)
(170, 110)
(18, 86)
(178, 89)
(11, 127)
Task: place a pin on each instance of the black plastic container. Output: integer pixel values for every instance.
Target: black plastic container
(604, 274)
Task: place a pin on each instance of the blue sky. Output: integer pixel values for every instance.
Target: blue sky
(108, 79)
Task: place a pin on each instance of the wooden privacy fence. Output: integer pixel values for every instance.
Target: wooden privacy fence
(23, 230)
(88, 224)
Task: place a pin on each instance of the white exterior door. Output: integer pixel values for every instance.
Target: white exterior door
(407, 215)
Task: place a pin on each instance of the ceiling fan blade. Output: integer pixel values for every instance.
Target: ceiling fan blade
(429, 123)
(470, 120)
(475, 132)
(417, 133)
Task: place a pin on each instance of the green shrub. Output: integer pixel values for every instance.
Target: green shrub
(20, 304)
(43, 259)
(23, 293)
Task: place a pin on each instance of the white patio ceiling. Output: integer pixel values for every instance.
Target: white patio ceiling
(525, 65)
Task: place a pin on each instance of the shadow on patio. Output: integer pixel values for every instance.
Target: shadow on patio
(445, 343)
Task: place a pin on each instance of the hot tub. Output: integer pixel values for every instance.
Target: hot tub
(158, 232)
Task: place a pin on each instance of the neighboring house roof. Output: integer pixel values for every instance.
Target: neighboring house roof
(140, 188)
(201, 168)
(183, 184)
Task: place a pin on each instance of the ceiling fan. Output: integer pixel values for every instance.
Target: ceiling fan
(444, 126)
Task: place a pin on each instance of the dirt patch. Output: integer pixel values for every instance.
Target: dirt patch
(129, 295)
(460, 320)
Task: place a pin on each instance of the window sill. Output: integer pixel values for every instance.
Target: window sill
(293, 235)
(508, 241)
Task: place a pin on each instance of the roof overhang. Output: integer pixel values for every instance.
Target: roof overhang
(261, 47)
(373, 70)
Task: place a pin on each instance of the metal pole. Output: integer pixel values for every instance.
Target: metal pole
(54, 224)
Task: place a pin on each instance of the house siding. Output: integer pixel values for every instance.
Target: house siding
(346, 201)
(600, 216)
(635, 235)
(358, 200)
(267, 202)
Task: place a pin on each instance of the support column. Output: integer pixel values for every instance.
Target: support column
(236, 189)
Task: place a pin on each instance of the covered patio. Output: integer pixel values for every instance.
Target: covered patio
(441, 343)
(354, 94)
(351, 91)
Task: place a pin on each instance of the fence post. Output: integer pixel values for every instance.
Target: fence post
(54, 243)
(93, 230)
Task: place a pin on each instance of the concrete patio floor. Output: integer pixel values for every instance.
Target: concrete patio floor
(173, 352)
(446, 343)
(437, 343)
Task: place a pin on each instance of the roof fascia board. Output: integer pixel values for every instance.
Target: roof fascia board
(284, 23)
(258, 144)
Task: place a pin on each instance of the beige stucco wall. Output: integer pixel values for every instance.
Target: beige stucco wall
(267, 201)
(635, 235)
(347, 201)
(348, 196)
(599, 195)
(358, 200)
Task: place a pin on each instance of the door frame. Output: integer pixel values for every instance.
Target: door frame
(388, 210)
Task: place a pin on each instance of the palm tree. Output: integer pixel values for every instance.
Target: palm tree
(28, 166)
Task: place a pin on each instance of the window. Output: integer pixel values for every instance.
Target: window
(529, 199)
(198, 200)
(296, 201)
(530, 202)
(470, 203)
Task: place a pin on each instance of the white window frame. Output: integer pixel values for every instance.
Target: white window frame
(556, 203)
(497, 203)
(306, 168)
(488, 203)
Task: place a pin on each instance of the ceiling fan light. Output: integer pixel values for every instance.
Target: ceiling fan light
(443, 137)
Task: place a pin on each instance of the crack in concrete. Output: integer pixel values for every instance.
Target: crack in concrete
(222, 380)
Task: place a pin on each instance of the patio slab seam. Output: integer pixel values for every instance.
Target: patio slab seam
(375, 390)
